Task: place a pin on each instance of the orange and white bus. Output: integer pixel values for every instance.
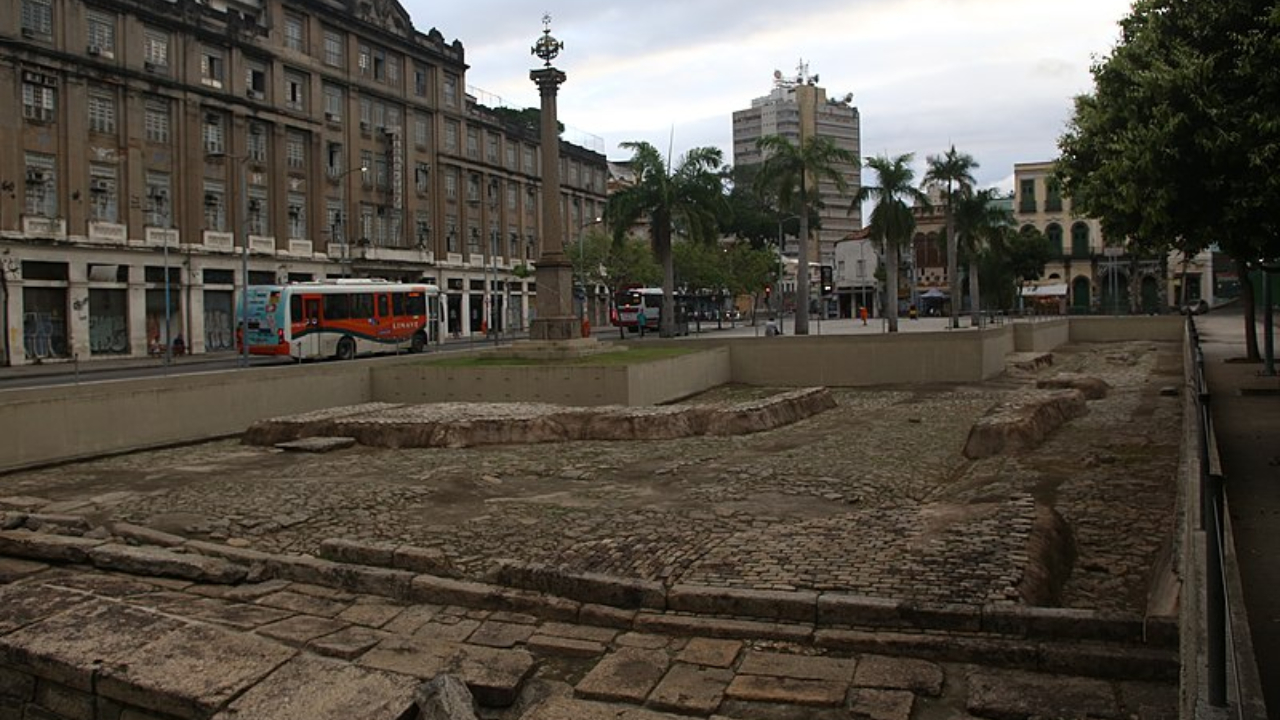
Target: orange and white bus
(341, 318)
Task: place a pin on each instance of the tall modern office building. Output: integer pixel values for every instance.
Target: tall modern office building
(798, 108)
(159, 155)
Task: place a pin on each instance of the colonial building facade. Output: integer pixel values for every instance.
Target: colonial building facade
(157, 149)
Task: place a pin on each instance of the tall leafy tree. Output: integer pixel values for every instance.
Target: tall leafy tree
(978, 221)
(892, 220)
(791, 174)
(690, 196)
(952, 174)
(1176, 146)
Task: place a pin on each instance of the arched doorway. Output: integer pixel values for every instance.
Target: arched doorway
(1115, 292)
(1081, 295)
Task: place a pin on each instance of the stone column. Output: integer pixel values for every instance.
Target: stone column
(555, 319)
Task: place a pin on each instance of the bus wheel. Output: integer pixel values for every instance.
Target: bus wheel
(346, 349)
(419, 343)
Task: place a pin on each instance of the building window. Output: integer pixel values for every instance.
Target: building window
(419, 82)
(333, 159)
(380, 176)
(297, 209)
(215, 206)
(473, 188)
(1080, 240)
(1027, 196)
(422, 229)
(451, 136)
(295, 36)
(101, 33)
(511, 197)
(333, 102)
(39, 96)
(421, 176)
(473, 143)
(366, 162)
(379, 64)
(212, 67)
(511, 155)
(257, 216)
(451, 233)
(159, 201)
(103, 204)
(529, 165)
(393, 70)
(364, 59)
(156, 120)
(37, 18)
(295, 97)
(450, 90)
(333, 48)
(42, 185)
(473, 240)
(155, 49)
(366, 222)
(1053, 233)
(491, 148)
(1052, 197)
(296, 150)
(333, 219)
(255, 80)
(257, 142)
(530, 199)
(513, 242)
(214, 133)
(366, 113)
(102, 111)
(451, 185)
(420, 134)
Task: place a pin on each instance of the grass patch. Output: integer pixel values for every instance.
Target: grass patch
(633, 356)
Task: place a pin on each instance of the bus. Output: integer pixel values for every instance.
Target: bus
(626, 309)
(340, 319)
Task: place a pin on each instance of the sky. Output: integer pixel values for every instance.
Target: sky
(995, 78)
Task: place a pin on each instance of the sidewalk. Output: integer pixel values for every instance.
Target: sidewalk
(1246, 417)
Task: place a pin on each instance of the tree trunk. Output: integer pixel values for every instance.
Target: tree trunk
(1250, 314)
(953, 269)
(975, 309)
(802, 270)
(891, 285)
(667, 318)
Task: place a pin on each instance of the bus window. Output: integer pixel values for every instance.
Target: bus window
(361, 306)
(337, 307)
(416, 304)
(397, 304)
(384, 305)
(295, 308)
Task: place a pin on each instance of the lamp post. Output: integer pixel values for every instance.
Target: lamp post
(582, 263)
(341, 220)
(782, 273)
(244, 253)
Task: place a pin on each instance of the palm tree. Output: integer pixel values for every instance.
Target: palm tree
(792, 174)
(978, 220)
(951, 172)
(691, 196)
(892, 220)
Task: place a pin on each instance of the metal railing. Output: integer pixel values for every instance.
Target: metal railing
(1216, 620)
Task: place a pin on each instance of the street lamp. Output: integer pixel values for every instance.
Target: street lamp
(340, 222)
(582, 263)
(781, 272)
(244, 253)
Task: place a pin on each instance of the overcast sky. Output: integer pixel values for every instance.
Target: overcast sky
(994, 77)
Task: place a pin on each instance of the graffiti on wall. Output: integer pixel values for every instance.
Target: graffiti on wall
(217, 330)
(108, 334)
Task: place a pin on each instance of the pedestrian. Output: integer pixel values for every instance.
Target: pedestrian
(862, 313)
(641, 320)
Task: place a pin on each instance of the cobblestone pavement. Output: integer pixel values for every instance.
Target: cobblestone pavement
(872, 498)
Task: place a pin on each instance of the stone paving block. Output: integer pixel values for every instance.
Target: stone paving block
(879, 671)
(585, 587)
(328, 592)
(1080, 624)
(606, 616)
(69, 647)
(192, 671)
(1148, 700)
(242, 556)
(12, 569)
(166, 563)
(798, 606)
(44, 546)
(993, 693)
(647, 641)
(103, 584)
(578, 632)
(692, 625)
(500, 635)
(23, 502)
(1110, 661)
(317, 444)
(348, 643)
(513, 617)
(800, 667)
(628, 675)
(566, 708)
(10, 520)
(240, 616)
(370, 613)
(448, 628)
(691, 689)
(429, 561)
(310, 688)
(306, 604)
(873, 704)
(956, 617)
(16, 684)
(374, 580)
(788, 691)
(494, 676)
(410, 619)
(709, 652)
(64, 701)
(858, 610)
(146, 536)
(301, 629)
(564, 647)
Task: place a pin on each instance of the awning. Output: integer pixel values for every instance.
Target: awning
(1054, 290)
(934, 294)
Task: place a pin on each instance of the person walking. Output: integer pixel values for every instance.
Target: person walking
(641, 321)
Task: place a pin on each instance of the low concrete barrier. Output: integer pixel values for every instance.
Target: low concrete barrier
(1041, 335)
(1126, 328)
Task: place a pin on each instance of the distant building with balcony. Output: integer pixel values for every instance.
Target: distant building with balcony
(152, 143)
(1087, 273)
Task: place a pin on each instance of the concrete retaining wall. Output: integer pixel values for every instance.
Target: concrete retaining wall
(1124, 329)
(1041, 335)
(651, 383)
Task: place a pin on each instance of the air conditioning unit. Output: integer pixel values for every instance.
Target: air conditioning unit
(211, 200)
(149, 66)
(99, 185)
(331, 117)
(35, 177)
(364, 126)
(28, 33)
(94, 50)
(160, 194)
(255, 94)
